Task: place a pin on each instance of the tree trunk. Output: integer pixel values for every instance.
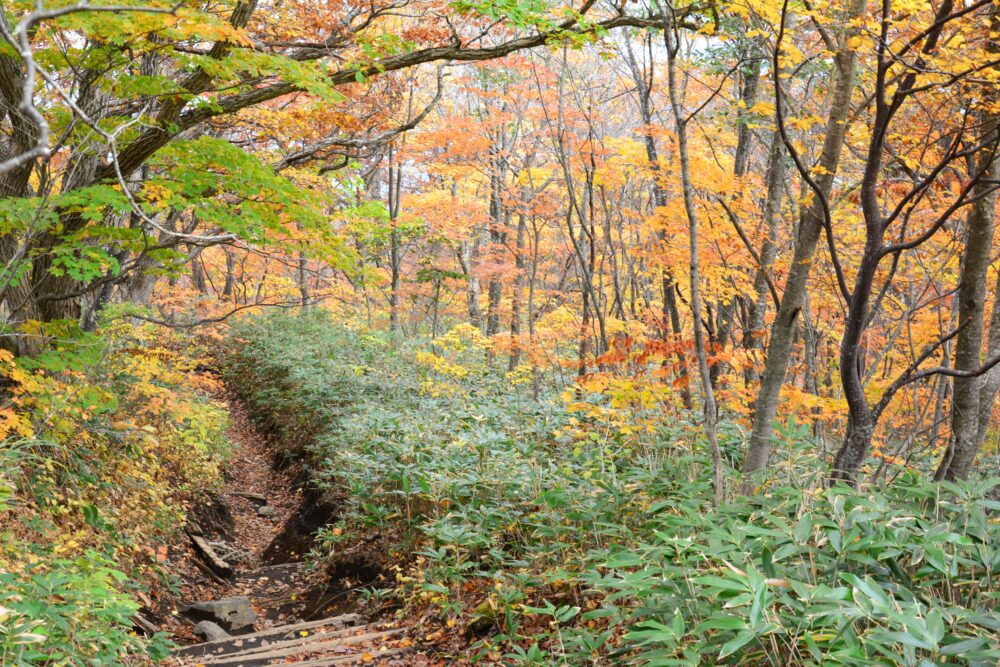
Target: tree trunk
(302, 272)
(709, 407)
(779, 348)
(227, 288)
(991, 381)
(498, 213)
(966, 408)
(860, 420)
(395, 278)
(748, 95)
(395, 252)
(468, 253)
(518, 287)
(198, 275)
(753, 336)
(494, 295)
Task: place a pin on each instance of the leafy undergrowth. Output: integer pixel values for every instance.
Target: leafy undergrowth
(108, 438)
(528, 534)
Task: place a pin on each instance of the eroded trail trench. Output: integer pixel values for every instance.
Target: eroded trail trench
(248, 597)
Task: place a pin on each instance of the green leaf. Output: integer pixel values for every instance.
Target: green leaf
(964, 646)
(713, 581)
(904, 638)
(736, 643)
(803, 528)
(721, 623)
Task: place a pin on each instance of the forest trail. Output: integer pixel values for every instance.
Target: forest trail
(280, 608)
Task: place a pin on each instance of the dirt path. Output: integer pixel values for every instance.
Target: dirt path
(252, 472)
(233, 523)
(240, 523)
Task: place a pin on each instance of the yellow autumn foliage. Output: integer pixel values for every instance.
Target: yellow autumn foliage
(119, 447)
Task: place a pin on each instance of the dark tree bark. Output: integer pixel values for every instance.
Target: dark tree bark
(395, 181)
(198, 275)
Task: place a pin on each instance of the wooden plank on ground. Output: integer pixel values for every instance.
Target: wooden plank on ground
(299, 650)
(342, 621)
(298, 640)
(205, 550)
(346, 659)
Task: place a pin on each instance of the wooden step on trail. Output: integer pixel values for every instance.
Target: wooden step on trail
(339, 640)
(272, 634)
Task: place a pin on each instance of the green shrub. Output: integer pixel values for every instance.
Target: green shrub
(583, 547)
(817, 577)
(60, 611)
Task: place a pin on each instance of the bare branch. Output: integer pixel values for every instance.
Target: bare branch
(308, 153)
(222, 318)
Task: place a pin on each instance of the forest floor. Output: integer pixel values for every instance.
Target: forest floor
(282, 589)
